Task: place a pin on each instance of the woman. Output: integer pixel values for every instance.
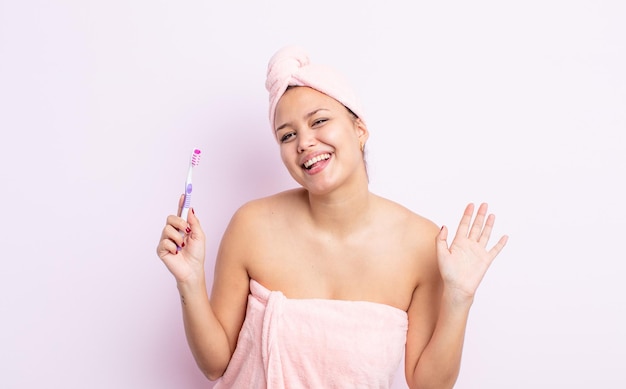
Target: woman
(326, 285)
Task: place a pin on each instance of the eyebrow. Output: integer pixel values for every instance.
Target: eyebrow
(308, 115)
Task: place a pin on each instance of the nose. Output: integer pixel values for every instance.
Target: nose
(306, 140)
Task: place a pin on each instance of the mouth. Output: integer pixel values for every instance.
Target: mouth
(311, 162)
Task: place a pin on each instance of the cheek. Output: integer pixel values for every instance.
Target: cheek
(286, 155)
(332, 135)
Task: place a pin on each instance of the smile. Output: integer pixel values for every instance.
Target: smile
(314, 160)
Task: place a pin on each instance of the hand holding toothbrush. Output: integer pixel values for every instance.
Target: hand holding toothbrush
(182, 243)
(186, 263)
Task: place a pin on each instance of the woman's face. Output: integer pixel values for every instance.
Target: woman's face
(320, 140)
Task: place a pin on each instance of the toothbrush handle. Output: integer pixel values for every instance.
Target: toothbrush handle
(186, 204)
(184, 213)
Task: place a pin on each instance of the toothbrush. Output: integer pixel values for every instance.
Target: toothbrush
(193, 162)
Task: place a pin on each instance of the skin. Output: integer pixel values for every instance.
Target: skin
(307, 243)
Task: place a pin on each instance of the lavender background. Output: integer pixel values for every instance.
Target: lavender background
(520, 104)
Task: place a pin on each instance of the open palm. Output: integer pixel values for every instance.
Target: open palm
(464, 263)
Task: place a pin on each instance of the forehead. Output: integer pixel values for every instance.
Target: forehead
(302, 98)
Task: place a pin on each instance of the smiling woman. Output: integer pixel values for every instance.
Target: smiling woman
(317, 132)
(326, 285)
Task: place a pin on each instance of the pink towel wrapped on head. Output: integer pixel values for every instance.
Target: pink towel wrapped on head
(291, 66)
(315, 343)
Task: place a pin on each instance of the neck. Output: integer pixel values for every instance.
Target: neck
(341, 213)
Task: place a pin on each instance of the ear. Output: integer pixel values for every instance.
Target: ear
(361, 130)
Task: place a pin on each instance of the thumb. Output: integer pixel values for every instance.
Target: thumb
(442, 239)
(194, 225)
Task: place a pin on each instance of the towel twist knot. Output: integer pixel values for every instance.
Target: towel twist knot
(282, 66)
(291, 66)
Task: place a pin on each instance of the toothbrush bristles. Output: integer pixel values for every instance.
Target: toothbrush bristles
(195, 157)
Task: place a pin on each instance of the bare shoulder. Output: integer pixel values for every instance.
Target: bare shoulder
(249, 235)
(420, 229)
(246, 239)
(256, 234)
(254, 223)
(414, 236)
(268, 209)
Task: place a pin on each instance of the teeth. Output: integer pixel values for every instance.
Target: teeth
(311, 161)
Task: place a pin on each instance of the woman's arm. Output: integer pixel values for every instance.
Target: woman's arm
(435, 337)
(212, 326)
(441, 303)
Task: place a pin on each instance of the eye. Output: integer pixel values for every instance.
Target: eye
(287, 137)
(319, 122)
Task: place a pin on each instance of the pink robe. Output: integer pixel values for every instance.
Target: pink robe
(315, 343)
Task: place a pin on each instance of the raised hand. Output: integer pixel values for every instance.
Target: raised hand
(183, 254)
(464, 264)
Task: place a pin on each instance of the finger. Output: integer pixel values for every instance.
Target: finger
(181, 201)
(194, 224)
(174, 235)
(171, 247)
(165, 248)
(465, 221)
(486, 233)
(477, 226)
(178, 223)
(176, 230)
(442, 240)
(495, 250)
